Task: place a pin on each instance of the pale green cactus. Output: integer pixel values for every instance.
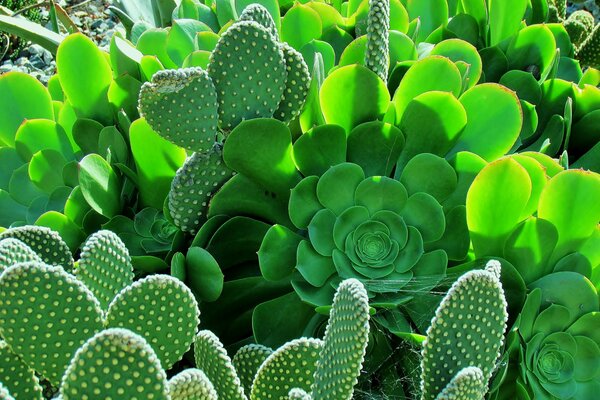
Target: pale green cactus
(468, 384)
(104, 266)
(296, 85)
(191, 384)
(13, 251)
(195, 183)
(115, 364)
(211, 357)
(17, 376)
(248, 360)
(181, 105)
(257, 13)
(45, 242)
(589, 51)
(378, 27)
(466, 331)
(579, 26)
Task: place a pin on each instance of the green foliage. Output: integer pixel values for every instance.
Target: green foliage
(467, 331)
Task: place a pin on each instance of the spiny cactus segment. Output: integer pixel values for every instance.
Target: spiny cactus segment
(46, 314)
(291, 366)
(17, 376)
(191, 384)
(378, 26)
(298, 394)
(115, 364)
(211, 357)
(4, 394)
(247, 361)
(579, 26)
(104, 266)
(13, 251)
(468, 384)
(248, 69)
(467, 330)
(345, 343)
(589, 51)
(195, 183)
(181, 105)
(259, 14)
(45, 242)
(162, 310)
(296, 86)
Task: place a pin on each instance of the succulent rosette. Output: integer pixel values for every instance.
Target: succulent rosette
(554, 348)
(369, 228)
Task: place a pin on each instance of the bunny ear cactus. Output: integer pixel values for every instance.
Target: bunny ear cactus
(468, 384)
(467, 331)
(191, 384)
(378, 26)
(247, 360)
(589, 51)
(195, 183)
(46, 314)
(296, 85)
(298, 394)
(579, 26)
(45, 242)
(115, 364)
(13, 251)
(104, 266)
(17, 376)
(345, 343)
(181, 105)
(259, 14)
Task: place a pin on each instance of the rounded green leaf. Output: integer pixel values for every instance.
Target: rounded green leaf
(431, 73)
(430, 174)
(320, 148)
(42, 134)
(85, 76)
(23, 97)
(365, 98)
(459, 50)
(203, 273)
(532, 46)
(45, 170)
(432, 14)
(100, 185)
(491, 131)
(495, 204)
(375, 146)
(335, 189)
(300, 25)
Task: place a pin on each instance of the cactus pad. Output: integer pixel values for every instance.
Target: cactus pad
(17, 376)
(248, 69)
(259, 14)
(104, 266)
(115, 364)
(467, 330)
(291, 366)
(45, 242)
(579, 25)
(191, 384)
(46, 314)
(468, 384)
(345, 343)
(181, 106)
(298, 394)
(248, 360)
(296, 85)
(13, 251)
(211, 357)
(194, 185)
(4, 394)
(377, 57)
(589, 52)
(161, 309)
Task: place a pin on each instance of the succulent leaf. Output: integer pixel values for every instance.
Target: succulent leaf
(291, 366)
(248, 69)
(104, 266)
(17, 376)
(181, 106)
(248, 360)
(46, 314)
(45, 242)
(13, 251)
(211, 357)
(345, 343)
(191, 384)
(467, 330)
(162, 310)
(115, 364)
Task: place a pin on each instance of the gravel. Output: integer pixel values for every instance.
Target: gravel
(91, 17)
